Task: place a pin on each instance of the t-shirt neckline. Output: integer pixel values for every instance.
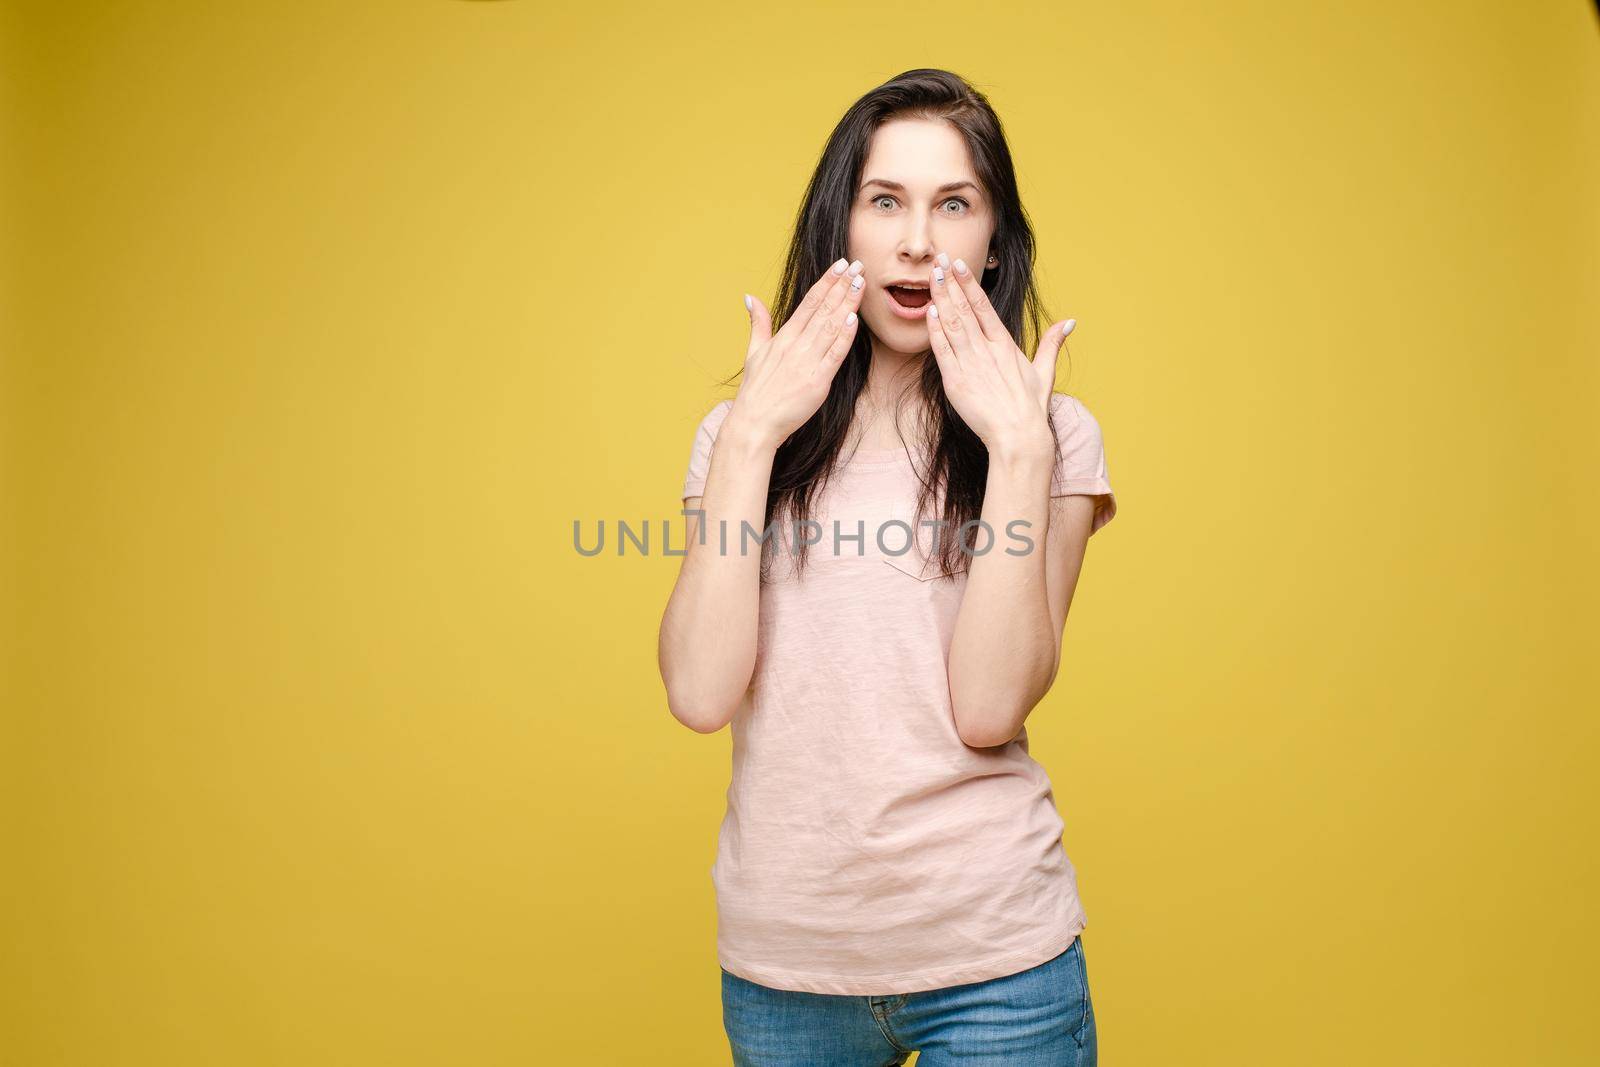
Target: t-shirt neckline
(875, 459)
(867, 458)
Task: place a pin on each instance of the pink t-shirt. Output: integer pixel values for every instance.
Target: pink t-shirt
(866, 848)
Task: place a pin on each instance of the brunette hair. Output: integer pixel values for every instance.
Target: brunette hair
(959, 462)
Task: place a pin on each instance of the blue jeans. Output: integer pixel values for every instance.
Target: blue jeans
(1041, 1017)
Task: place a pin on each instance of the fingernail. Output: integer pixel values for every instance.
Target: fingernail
(938, 275)
(857, 282)
(944, 260)
(855, 268)
(749, 305)
(933, 311)
(961, 268)
(1068, 327)
(850, 319)
(838, 268)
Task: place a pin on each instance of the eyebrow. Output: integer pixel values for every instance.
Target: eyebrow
(900, 188)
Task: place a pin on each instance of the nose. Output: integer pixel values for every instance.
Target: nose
(916, 244)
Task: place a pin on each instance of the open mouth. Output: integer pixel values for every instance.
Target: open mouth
(908, 297)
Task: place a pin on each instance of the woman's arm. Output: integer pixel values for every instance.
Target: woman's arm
(1006, 649)
(707, 647)
(1007, 641)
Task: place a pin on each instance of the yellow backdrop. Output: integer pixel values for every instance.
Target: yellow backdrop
(324, 322)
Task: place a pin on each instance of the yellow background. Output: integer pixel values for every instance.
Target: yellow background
(323, 322)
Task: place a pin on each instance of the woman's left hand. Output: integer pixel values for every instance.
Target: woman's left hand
(1002, 395)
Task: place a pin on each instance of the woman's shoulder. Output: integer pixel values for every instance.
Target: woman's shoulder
(712, 420)
(1074, 422)
(705, 432)
(1069, 405)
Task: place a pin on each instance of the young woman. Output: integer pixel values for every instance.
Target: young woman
(886, 527)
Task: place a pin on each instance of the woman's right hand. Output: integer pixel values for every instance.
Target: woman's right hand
(787, 376)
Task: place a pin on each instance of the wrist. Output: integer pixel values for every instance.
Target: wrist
(745, 438)
(1024, 451)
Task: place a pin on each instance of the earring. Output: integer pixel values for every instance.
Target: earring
(994, 261)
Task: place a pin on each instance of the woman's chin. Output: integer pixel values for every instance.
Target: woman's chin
(900, 335)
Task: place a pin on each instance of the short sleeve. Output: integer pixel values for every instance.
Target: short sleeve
(694, 482)
(1081, 468)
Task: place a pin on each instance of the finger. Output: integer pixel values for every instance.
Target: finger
(832, 322)
(834, 357)
(812, 301)
(962, 307)
(955, 329)
(982, 309)
(760, 324)
(943, 352)
(828, 317)
(1048, 359)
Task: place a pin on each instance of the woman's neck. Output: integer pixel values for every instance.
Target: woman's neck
(889, 396)
(890, 374)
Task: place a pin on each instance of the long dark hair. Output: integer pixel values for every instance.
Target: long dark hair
(959, 460)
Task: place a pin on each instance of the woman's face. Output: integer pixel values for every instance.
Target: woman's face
(918, 197)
